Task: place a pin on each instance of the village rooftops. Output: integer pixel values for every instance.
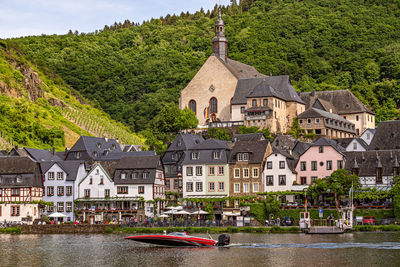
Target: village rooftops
(255, 150)
(70, 167)
(249, 137)
(323, 141)
(387, 136)
(185, 141)
(20, 172)
(39, 155)
(280, 84)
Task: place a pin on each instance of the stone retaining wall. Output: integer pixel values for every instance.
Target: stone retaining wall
(66, 229)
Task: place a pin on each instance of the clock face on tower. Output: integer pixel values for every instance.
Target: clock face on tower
(212, 88)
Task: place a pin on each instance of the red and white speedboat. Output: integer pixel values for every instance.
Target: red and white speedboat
(180, 239)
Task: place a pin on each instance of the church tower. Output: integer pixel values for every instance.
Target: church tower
(220, 43)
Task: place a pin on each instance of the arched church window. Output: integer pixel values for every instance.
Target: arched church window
(213, 105)
(192, 106)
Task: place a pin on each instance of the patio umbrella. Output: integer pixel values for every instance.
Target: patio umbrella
(174, 208)
(170, 212)
(163, 216)
(182, 212)
(57, 215)
(201, 212)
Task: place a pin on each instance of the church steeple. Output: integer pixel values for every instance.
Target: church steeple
(220, 43)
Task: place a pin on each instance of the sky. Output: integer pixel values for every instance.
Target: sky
(36, 17)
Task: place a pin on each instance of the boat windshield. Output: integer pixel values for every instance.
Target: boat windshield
(178, 233)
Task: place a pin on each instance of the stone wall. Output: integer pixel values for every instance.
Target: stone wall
(67, 228)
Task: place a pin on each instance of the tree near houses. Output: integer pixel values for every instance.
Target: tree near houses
(339, 184)
(395, 191)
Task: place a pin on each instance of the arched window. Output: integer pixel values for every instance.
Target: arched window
(192, 106)
(213, 105)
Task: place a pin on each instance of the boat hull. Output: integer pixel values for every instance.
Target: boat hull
(174, 241)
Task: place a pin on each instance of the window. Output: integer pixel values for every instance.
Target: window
(199, 171)
(213, 105)
(78, 155)
(189, 171)
(1, 193)
(236, 188)
(357, 118)
(176, 185)
(265, 102)
(60, 176)
(145, 175)
(246, 173)
(167, 184)
(281, 164)
(255, 172)
(282, 179)
(221, 170)
(15, 211)
(246, 188)
(15, 192)
(321, 149)
(354, 145)
(269, 164)
(317, 121)
(199, 187)
(221, 186)
(50, 176)
(50, 191)
(211, 170)
(19, 179)
(301, 121)
(192, 106)
(135, 175)
(255, 187)
(313, 179)
(68, 191)
(106, 192)
(340, 164)
(50, 208)
(60, 190)
(242, 109)
(141, 190)
(68, 207)
(195, 155)
(189, 187)
(254, 103)
(303, 166)
(60, 206)
(91, 180)
(87, 192)
(329, 165)
(309, 121)
(101, 180)
(303, 180)
(243, 156)
(97, 171)
(122, 190)
(211, 186)
(313, 165)
(236, 173)
(270, 180)
(123, 175)
(216, 154)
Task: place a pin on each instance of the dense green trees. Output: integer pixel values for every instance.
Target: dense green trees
(132, 70)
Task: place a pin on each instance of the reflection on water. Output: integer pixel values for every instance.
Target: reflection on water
(358, 249)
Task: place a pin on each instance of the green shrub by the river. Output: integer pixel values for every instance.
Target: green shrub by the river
(10, 230)
(376, 228)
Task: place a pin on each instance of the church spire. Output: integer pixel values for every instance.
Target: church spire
(220, 43)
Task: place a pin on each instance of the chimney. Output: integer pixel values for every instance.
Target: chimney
(117, 139)
(54, 151)
(313, 93)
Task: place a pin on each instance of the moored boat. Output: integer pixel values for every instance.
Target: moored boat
(181, 239)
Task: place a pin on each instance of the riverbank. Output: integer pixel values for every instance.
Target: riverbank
(116, 229)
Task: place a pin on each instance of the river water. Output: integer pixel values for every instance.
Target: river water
(355, 249)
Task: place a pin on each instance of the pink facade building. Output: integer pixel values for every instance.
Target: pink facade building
(322, 158)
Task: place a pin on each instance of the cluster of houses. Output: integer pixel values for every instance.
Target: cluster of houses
(96, 180)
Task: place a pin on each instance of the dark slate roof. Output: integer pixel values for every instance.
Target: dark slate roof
(23, 167)
(290, 159)
(185, 141)
(109, 166)
(387, 136)
(256, 150)
(139, 165)
(69, 166)
(319, 113)
(96, 144)
(3, 153)
(211, 144)
(284, 142)
(41, 155)
(368, 161)
(324, 105)
(280, 84)
(323, 141)
(205, 157)
(249, 137)
(344, 101)
(264, 89)
(344, 142)
(240, 70)
(300, 147)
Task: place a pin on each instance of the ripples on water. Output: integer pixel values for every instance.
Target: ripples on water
(358, 249)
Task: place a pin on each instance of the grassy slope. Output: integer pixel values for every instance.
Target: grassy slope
(38, 124)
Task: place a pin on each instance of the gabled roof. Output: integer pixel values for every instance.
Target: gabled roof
(211, 144)
(319, 113)
(100, 165)
(290, 159)
(345, 142)
(70, 167)
(387, 136)
(205, 157)
(95, 144)
(41, 155)
(249, 137)
(343, 101)
(256, 150)
(323, 141)
(17, 165)
(300, 147)
(319, 103)
(280, 84)
(185, 141)
(240, 70)
(284, 142)
(20, 172)
(368, 161)
(264, 89)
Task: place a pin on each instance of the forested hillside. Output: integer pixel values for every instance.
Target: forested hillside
(134, 72)
(41, 111)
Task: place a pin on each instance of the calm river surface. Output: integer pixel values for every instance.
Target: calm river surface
(357, 249)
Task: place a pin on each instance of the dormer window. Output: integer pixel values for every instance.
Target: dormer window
(98, 145)
(243, 156)
(195, 155)
(19, 179)
(321, 149)
(145, 175)
(216, 155)
(265, 102)
(123, 175)
(113, 146)
(254, 103)
(135, 175)
(95, 153)
(78, 155)
(179, 143)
